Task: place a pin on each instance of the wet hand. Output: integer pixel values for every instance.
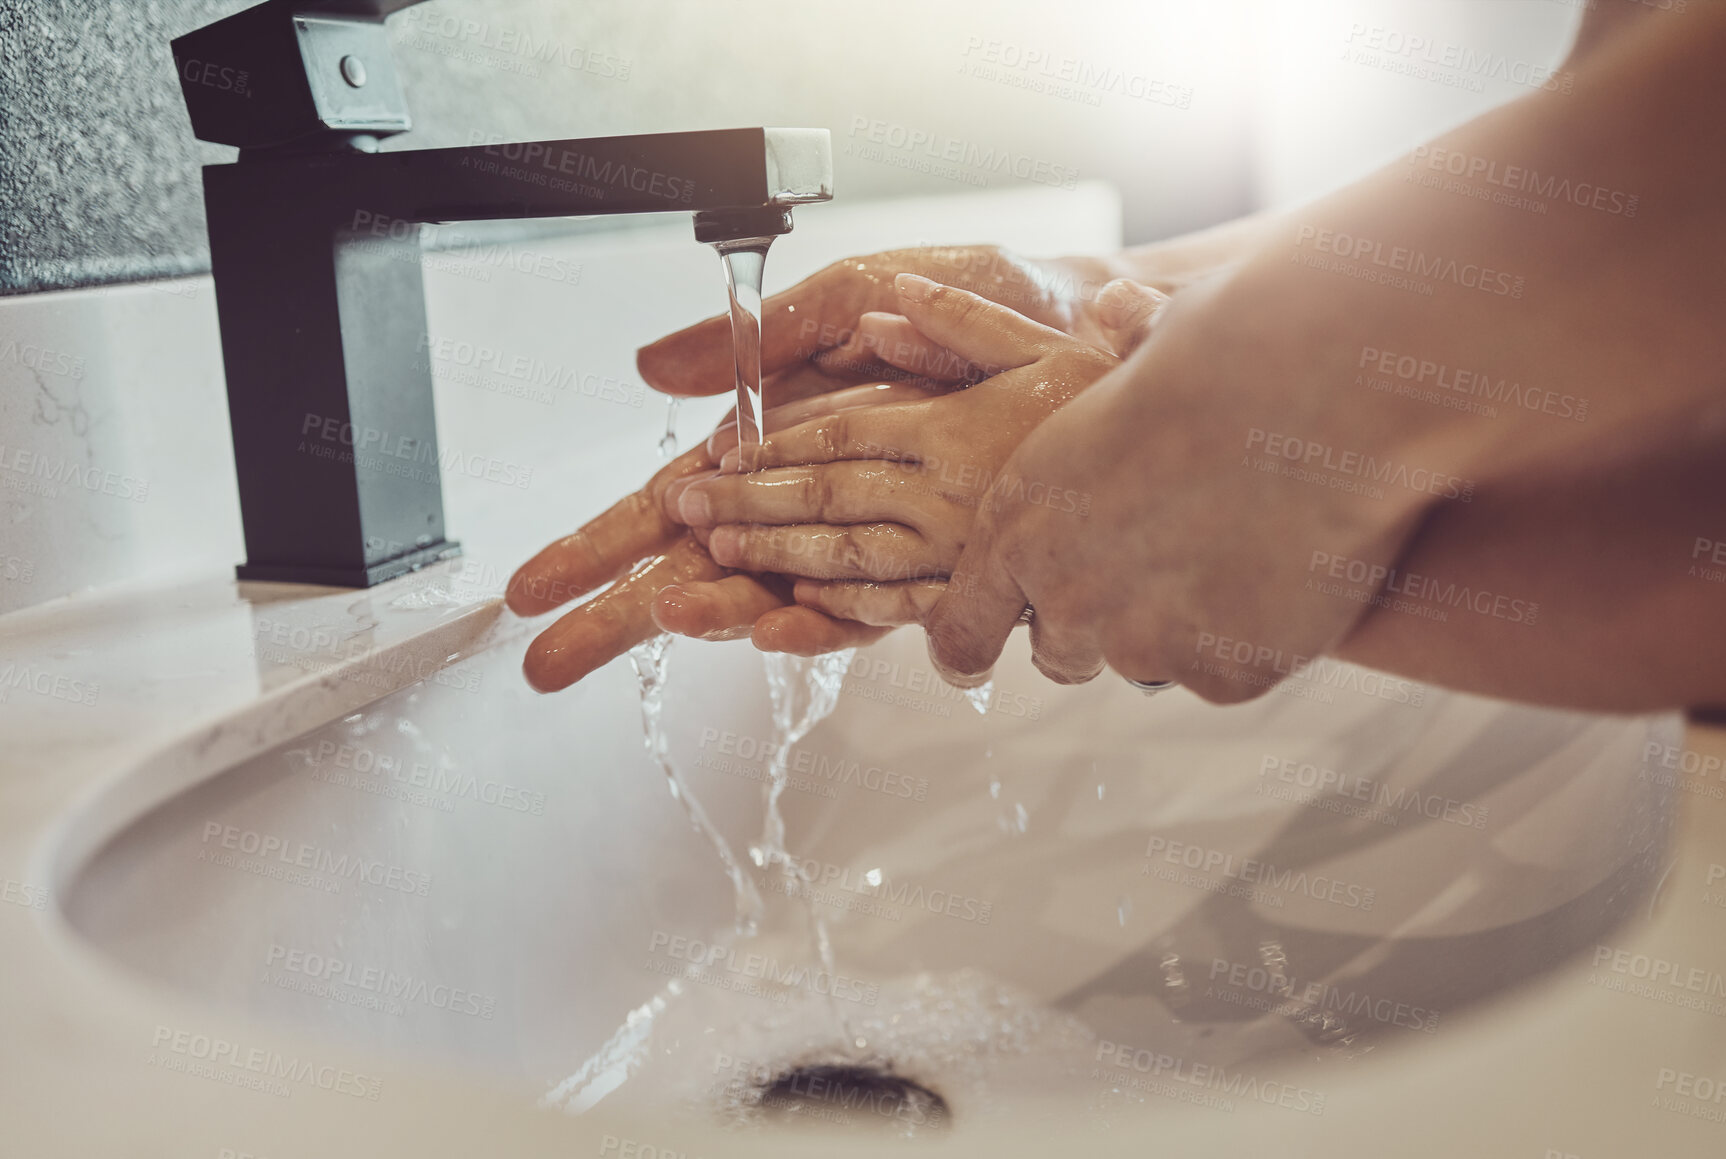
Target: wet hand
(872, 507)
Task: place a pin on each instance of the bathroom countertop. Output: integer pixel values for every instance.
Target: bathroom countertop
(114, 701)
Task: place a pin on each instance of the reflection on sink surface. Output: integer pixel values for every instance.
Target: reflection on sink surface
(1075, 891)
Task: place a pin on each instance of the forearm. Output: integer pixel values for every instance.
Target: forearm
(1384, 306)
(1171, 264)
(1600, 588)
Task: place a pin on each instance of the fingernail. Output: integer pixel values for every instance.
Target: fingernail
(725, 545)
(1123, 302)
(695, 507)
(913, 287)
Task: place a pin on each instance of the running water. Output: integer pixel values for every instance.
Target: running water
(803, 693)
(744, 260)
(649, 660)
(668, 441)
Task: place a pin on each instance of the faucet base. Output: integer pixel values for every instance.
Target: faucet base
(349, 577)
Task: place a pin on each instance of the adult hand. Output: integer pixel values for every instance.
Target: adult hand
(815, 322)
(874, 506)
(681, 589)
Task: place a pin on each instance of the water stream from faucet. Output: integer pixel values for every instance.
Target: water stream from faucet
(744, 260)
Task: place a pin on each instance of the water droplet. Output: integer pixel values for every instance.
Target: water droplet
(1123, 908)
(873, 877)
(668, 441)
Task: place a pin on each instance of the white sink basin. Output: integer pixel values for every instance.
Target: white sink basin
(1080, 892)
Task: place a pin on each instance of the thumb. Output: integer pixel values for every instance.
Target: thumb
(1126, 311)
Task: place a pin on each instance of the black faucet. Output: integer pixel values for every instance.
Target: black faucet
(323, 320)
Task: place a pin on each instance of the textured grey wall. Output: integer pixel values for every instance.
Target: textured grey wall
(98, 169)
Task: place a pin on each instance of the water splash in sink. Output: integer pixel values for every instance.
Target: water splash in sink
(649, 660)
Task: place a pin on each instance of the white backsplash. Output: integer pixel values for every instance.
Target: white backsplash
(115, 460)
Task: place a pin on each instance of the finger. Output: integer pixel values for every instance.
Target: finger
(796, 413)
(813, 315)
(969, 626)
(1126, 312)
(724, 609)
(1065, 652)
(873, 551)
(880, 604)
(806, 632)
(893, 431)
(612, 622)
(632, 529)
(859, 491)
(891, 342)
(993, 336)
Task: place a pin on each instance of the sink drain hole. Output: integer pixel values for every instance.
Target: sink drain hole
(853, 1094)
